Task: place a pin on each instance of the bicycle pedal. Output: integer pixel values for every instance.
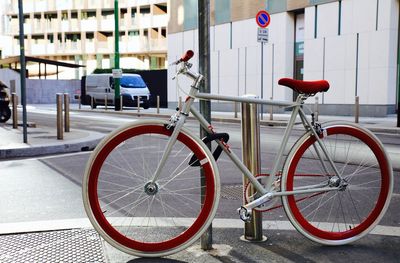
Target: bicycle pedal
(244, 213)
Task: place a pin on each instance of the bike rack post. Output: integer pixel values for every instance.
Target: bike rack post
(271, 114)
(236, 110)
(106, 102)
(180, 103)
(91, 102)
(66, 113)
(316, 108)
(59, 97)
(357, 110)
(158, 104)
(14, 101)
(251, 159)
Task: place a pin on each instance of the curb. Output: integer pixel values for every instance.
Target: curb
(40, 150)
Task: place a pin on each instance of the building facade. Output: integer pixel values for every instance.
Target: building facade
(82, 32)
(351, 43)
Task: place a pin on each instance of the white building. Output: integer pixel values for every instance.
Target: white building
(82, 32)
(351, 43)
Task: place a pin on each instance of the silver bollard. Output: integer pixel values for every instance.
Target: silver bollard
(158, 104)
(92, 102)
(14, 101)
(251, 159)
(59, 116)
(180, 103)
(106, 102)
(271, 114)
(316, 108)
(236, 110)
(138, 104)
(79, 101)
(121, 103)
(357, 110)
(66, 113)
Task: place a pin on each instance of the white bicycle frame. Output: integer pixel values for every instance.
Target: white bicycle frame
(267, 193)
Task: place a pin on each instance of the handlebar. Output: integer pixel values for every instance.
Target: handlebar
(185, 57)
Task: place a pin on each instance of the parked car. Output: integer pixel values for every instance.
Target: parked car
(5, 112)
(101, 86)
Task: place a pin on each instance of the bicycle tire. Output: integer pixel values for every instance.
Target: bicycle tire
(338, 217)
(126, 213)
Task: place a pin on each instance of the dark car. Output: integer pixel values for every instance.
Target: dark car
(5, 112)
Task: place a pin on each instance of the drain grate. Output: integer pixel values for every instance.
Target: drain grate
(75, 246)
(232, 192)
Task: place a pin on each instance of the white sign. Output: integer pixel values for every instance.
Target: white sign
(117, 73)
(263, 35)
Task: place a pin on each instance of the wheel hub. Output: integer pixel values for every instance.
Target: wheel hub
(151, 188)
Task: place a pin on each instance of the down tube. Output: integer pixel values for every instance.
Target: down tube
(232, 156)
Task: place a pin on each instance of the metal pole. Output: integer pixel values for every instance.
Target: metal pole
(205, 106)
(158, 104)
(357, 109)
(14, 99)
(59, 97)
(138, 104)
(106, 101)
(117, 82)
(121, 104)
(80, 101)
(180, 103)
(398, 69)
(316, 108)
(66, 113)
(271, 114)
(23, 70)
(92, 102)
(236, 109)
(251, 159)
(262, 79)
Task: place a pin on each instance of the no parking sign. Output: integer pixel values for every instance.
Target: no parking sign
(263, 19)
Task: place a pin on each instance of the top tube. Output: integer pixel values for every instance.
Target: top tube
(207, 96)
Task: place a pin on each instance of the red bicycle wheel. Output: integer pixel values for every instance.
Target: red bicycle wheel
(145, 218)
(344, 215)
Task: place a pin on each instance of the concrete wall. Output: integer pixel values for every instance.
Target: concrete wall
(329, 53)
(40, 91)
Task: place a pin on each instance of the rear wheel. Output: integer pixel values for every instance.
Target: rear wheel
(143, 217)
(339, 216)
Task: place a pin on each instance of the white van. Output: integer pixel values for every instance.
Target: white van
(101, 86)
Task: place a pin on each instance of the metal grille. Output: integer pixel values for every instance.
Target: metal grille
(232, 192)
(75, 246)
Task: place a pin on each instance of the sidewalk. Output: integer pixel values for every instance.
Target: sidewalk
(43, 141)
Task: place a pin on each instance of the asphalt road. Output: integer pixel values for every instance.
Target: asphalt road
(48, 188)
(231, 179)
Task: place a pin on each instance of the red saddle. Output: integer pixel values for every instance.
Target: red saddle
(305, 87)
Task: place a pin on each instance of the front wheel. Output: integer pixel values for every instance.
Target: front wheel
(144, 217)
(345, 215)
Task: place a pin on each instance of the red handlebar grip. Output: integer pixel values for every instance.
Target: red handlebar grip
(188, 55)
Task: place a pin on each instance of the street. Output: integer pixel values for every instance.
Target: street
(49, 188)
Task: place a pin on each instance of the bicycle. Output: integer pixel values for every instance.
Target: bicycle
(151, 188)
